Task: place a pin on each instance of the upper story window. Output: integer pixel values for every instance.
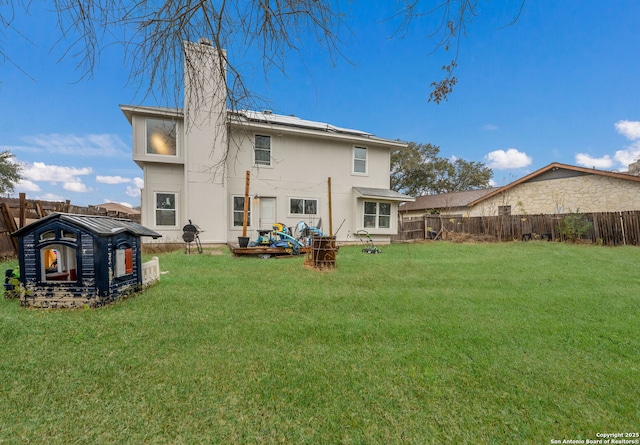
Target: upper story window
(299, 206)
(161, 137)
(262, 150)
(166, 209)
(359, 160)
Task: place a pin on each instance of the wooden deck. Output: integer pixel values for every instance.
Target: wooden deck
(266, 251)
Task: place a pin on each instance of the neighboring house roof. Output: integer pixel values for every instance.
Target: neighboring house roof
(556, 170)
(99, 225)
(115, 207)
(445, 200)
(374, 193)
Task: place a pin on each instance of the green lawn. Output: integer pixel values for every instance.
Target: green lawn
(441, 343)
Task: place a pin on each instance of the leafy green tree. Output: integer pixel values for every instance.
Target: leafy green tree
(10, 172)
(419, 170)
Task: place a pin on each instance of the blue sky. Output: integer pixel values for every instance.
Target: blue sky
(560, 85)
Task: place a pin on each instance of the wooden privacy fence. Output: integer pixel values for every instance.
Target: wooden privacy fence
(18, 212)
(611, 229)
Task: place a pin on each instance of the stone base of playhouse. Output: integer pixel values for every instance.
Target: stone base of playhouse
(69, 301)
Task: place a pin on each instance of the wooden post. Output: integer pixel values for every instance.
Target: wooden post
(23, 209)
(330, 209)
(11, 224)
(40, 209)
(245, 216)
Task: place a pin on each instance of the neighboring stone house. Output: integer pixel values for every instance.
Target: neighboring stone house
(195, 159)
(554, 189)
(450, 204)
(560, 188)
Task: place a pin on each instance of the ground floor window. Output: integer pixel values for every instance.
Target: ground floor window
(58, 263)
(302, 206)
(238, 211)
(504, 210)
(377, 215)
(165, 209)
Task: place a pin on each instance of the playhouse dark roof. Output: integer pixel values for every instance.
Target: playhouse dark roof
(99, 225)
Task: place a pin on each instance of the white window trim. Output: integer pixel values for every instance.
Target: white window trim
(353, 161)
(377, 228)
(233, 211)
(270, 164)
(155, 208)
(303, 214)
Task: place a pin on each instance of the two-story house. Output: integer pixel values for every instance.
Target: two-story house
(195, 162)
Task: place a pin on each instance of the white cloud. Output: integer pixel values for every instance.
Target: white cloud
(629, 155)
(103, 145)
(489, 127)
(138, 182)
(134, 192)
(621, 158)
(51, 197)
(512, 158)
(39, 171)
(112, 179)
(605, 162)
(629, 129)
(25, 186)
(77, 187)
(70, 177)
(23, 148)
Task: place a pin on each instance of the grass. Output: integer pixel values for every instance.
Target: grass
(426, 343)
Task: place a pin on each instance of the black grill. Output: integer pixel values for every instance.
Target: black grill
(189, 235)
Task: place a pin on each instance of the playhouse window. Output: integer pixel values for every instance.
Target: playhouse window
(124, 261)
(377, 215)
(49, 234)
(161, 137)
(165, 209)
(263, 150)
(299, 206)
(58, 263)
(238, 211)
(69, 235)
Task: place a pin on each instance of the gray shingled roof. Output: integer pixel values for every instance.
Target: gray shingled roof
(445, 200)
(366, 192)
(99, 225)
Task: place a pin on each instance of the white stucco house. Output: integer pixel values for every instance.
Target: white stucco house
(195, 160)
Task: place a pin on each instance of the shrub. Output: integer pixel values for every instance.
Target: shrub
(575, 226)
